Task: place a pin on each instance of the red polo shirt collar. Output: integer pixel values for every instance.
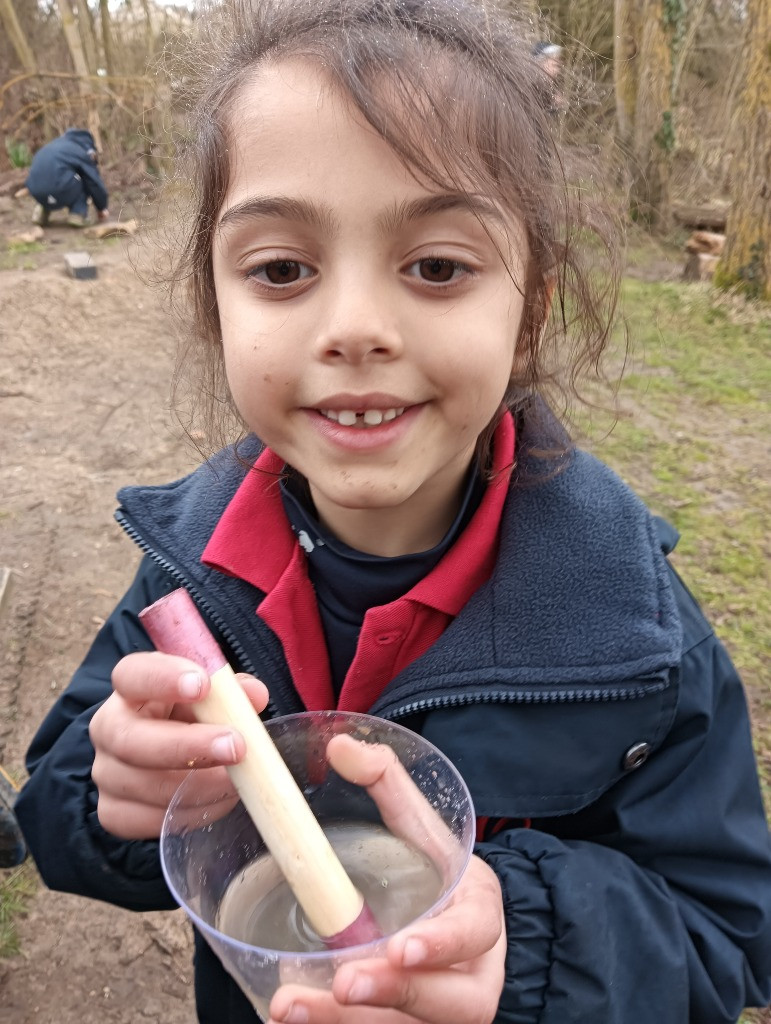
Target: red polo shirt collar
(254, 541)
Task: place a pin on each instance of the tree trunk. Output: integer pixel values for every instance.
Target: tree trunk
(72, 37)
(653, 137)
(747, 259)
(150, 113)
(107, 44)
(18, 40)
(625, 64)
(695, 17)
(86, 32)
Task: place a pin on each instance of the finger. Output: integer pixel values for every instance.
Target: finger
(124, 783)
(132, 802)
(130, 820)
(470, 926)
(143, 819)
(149, 676)
(295, 1004)
(164, 743)
(256, 691)
(405, 811)
(462, 996)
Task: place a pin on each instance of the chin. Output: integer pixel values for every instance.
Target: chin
(368, 502)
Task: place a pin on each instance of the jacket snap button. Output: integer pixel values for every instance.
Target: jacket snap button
(636, 756)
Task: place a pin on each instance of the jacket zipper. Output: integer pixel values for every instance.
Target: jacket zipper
(244, 661)
(518, 697)
(564, 696)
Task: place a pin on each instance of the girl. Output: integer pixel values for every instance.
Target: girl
(380, 227)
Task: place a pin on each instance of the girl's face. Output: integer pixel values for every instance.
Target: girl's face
(368, 321)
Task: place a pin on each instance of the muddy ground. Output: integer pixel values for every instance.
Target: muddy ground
(83, 410)
(83, 404)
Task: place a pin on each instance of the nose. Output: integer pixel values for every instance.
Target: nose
(358, 324)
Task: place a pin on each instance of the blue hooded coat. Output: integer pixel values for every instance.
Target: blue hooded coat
(588, 705)
(64, 174)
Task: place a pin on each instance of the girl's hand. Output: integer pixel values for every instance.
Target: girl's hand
(449, 968)
(146, 740)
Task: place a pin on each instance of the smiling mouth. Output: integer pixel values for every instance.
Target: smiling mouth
(362, 420)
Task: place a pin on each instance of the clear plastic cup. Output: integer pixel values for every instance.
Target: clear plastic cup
(405, 851)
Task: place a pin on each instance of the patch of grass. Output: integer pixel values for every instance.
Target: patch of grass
(17, 255)
(17, 888)
(19, 153)
(692, 441)
(685, 340)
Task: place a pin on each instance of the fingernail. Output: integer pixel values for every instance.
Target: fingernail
(296, 1014)
(224, 749)
(190, 685)
(415, 952)
(361, 989)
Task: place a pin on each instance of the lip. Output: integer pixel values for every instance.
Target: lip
(361, 403)
(354, 439)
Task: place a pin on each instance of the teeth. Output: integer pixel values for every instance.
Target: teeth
(369, 418)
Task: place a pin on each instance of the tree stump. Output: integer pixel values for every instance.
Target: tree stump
(700, 266)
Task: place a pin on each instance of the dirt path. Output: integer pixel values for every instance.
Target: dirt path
(83, 389)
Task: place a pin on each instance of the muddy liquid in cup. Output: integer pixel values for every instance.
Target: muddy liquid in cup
(398, 883)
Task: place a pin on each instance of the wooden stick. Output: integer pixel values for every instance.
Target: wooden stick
(332, 904)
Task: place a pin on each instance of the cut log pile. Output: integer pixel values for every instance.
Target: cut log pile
(704, 249)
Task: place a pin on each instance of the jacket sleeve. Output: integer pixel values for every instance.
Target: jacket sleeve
(92, 180)
(665, 916)
(57, 806)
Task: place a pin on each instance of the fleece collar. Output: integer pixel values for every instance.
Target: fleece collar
(579, 592)
(254, 541)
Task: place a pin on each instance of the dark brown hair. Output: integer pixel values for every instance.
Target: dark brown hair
(454, 88)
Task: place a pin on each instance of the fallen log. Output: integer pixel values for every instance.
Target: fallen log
(33, 234)
(709, 217)
(111, 227)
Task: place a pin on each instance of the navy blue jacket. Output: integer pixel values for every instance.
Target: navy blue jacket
(580, 692)
(64, 171)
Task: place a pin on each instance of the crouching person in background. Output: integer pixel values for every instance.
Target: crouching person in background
(64, 175)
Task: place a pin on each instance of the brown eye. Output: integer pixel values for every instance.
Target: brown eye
(282, 271)
(439, 271)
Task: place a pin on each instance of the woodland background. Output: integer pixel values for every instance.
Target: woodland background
(681, 89)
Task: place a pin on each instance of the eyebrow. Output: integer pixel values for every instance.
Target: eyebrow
(280, 207)
(426, 206)
(322, 217)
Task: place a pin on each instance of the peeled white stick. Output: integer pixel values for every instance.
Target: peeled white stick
(332, 904)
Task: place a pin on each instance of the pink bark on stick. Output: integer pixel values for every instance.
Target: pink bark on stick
(364, 929)
(175, 626)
